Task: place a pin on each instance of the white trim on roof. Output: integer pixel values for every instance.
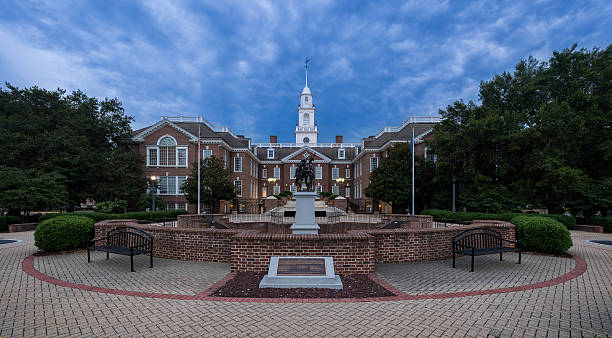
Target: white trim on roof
(287, 159)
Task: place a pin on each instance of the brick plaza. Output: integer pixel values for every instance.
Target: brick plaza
(578, 306)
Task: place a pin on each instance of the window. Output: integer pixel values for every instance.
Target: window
(181, 156)
(224, 159)
(152, 156)
(292, 173)
(293, 188)
(206, 153)
(167, 156)
(335, 173)
(167, 141)
(270, 153)
(181, 181)
(318, 188)
(341, 153)
(336, 190)
(264, 173)
(167, 185)
(277, 173)
(264, 192)
(171, 206)
(277, 189)
(318, 173)
(347, 192)
(373, 163)
(430, 156)
(306, 119)
(238, 188)
(348, 173)
(306, 98)
(237, 164)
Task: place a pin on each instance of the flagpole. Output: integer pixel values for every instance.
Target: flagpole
(412, 144)
(199, 154)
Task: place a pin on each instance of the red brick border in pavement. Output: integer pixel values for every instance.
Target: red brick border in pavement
(28, 267)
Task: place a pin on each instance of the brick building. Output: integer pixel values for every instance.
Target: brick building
(261, 169)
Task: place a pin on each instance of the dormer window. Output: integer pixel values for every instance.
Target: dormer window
(341, 153)
(270, 153)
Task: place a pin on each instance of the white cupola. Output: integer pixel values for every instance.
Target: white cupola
(306, 129)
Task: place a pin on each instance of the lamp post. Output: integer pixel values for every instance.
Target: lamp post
(454, 181)
(152, 187)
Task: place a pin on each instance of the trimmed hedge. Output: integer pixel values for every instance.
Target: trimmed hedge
(542, 234)
(568, 221)
(605, 222)
(139, 215)
(63, 233)
(6, 220)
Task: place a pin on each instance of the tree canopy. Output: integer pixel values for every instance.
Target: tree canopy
(82, 140)
(392, 180)
(542, 136)
(215, 184)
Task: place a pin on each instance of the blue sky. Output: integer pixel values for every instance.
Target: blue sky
(240, 63)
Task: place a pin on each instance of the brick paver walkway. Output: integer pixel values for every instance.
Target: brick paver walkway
(579, 307)
(489, 273)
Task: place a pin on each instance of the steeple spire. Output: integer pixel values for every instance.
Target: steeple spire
(306, 67)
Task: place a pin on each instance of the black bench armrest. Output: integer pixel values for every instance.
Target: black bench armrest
(510, 241)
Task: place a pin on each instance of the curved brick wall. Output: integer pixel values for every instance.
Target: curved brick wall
(355, 252)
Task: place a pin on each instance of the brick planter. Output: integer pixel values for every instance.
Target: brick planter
(355, 252)
(352, 253)
(22, 227)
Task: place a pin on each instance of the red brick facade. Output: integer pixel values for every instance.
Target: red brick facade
(255, 160)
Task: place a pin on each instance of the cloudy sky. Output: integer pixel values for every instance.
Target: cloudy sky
(241, 63)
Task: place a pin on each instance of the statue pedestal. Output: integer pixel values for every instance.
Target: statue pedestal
(305, 213)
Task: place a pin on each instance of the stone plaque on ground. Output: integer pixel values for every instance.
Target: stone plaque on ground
(300, 267)
(301, 272)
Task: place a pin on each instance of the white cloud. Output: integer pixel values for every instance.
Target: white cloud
(27, 64)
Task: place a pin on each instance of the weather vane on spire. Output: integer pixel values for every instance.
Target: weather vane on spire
(306, 67)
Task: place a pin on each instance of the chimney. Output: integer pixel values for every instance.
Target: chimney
(273, 139)
(338, 138)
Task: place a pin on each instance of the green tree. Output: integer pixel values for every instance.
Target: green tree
(541, 136)
(28, 190)
(85, 140)
(146, 202)
(215, 184)
(392, 180)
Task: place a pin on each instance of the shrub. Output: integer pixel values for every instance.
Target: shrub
(605, 222)
(568, 221)
(63, 233)
(117, 206)
(139, 215)
(542, 234)
(6, 220)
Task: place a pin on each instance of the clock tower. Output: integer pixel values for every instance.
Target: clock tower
(306, 131)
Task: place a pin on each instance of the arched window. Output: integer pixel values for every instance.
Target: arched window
(166, 141)
(167, 151)
(306, 119)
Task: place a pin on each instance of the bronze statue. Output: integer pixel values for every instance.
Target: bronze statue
(304, 174)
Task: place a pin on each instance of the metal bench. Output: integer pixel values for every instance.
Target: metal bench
(482, 241)
(127, 241)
